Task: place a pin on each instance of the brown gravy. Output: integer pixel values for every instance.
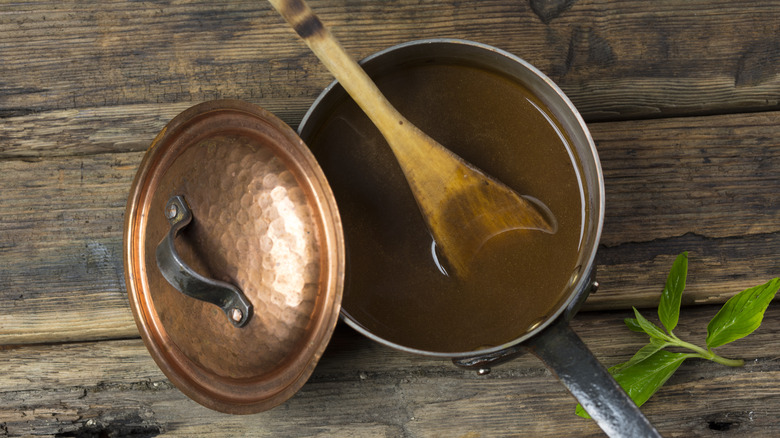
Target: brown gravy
(394, 287)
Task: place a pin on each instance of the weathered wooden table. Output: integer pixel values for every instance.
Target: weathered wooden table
(683, 100)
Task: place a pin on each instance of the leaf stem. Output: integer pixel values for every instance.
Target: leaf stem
(706, 354)
(729, 362)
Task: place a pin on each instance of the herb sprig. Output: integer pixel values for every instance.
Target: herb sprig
(651, 366)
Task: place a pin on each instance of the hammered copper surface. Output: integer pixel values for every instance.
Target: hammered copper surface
(252, 228)
(265, 221)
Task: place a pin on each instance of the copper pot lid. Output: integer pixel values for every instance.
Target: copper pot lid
(234, 256)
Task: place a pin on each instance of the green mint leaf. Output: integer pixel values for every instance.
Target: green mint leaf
(651, 366)
(580, 411)
(648, 327)
(741, 315)
(648, 350)
(669, 307)
(633, 325)
(642, 379)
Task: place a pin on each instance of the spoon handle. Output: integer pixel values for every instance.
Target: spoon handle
(349, 74)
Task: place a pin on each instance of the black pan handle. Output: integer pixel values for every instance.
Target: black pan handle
(567, 357)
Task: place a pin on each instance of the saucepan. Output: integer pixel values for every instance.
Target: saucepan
(505, 116)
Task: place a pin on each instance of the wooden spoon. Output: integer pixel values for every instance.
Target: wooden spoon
(462, 206)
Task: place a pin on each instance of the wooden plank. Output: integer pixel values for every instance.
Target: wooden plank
(61, 218)
(89, 131)
(669, 177)
(634, 274)
(698, 167)
(615, 59)
(61, 248)
(360, 388)
(707, 185)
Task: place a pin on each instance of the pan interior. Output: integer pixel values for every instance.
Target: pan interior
(397, 288)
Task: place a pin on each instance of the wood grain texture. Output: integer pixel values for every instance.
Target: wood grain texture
(96, 130)
(708, 185)
(86, 85)
(615, 59)
(715, 194)
(61, 248)
(362, 389)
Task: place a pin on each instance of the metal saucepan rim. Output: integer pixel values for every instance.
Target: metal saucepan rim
(584, 281)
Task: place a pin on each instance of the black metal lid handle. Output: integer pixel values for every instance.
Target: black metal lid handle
(224, 295)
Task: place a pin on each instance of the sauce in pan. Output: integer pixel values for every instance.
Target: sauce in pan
(396, 286)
